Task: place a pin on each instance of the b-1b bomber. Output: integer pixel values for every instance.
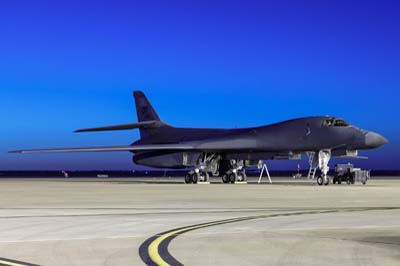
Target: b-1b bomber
(228, 152)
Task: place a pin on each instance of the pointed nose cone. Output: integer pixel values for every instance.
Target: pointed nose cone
(374, 140)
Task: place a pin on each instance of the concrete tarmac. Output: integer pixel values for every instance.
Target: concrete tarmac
(119, 222)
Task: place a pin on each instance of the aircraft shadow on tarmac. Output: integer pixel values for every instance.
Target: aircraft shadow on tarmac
(177, 182)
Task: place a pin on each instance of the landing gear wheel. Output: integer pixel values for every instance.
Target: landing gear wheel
(240, 177)
(232, 178)
(225, 178)
(326, 181)
(204, 177)
(195, 178)
(320, 181)
(188, 178)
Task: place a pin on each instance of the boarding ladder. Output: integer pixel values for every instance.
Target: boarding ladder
(312, 170)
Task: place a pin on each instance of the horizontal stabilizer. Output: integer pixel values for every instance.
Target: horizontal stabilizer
(144, 124)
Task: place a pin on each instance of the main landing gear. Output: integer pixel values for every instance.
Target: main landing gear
(235, 174)
(193, 177)
(207, 163)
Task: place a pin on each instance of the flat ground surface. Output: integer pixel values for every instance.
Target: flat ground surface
(104, 222)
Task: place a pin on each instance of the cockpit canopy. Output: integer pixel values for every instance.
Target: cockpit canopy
(335, 122)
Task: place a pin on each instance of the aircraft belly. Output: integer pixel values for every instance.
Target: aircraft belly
(231, 144)
(262, 156)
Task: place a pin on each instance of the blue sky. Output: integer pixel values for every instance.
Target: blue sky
(72, 64)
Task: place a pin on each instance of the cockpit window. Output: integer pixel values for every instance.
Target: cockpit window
(340, 123)
(335, 123)
(328, 123)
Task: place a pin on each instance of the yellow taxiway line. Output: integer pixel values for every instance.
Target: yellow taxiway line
(162, 240)
(153, 247)
(10, 263)
(13, 263)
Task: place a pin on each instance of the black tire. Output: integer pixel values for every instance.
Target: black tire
(188, 179)
(240, 177)
(232, 178)
(320, 181)
(327, 181)
(339, 181)
(353, 178)
(203, 176)
(194, 178)
(225, 179)
(334, 180)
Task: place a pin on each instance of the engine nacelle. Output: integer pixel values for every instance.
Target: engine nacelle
(167, 159)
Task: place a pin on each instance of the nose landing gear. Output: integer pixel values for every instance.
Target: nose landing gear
(323, 159)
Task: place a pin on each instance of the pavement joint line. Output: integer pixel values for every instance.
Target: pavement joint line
(154, 251)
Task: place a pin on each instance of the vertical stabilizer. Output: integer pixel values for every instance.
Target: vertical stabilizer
(145, 112)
